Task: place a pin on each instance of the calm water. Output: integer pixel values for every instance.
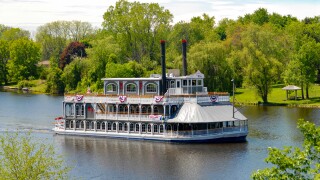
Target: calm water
(104, 158)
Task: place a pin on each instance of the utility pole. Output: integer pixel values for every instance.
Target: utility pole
(233, 98)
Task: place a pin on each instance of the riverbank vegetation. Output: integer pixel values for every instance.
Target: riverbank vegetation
(258, 50)
(22, 157)
(294, 162)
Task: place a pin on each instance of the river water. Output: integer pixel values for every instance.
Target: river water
(106, 158)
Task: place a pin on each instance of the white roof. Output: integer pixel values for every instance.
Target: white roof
(291, 87)
(194, 113)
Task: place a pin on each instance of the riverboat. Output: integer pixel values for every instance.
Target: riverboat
(166, 107)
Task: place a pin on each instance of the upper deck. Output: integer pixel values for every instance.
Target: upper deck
(148, 99)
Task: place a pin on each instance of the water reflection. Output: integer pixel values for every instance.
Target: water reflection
(117, 158)
(103, 158)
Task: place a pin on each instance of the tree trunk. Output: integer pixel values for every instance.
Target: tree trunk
(302, 92)
(307, 90)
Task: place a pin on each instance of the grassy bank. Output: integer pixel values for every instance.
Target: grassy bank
(34, 86)
(248, 96)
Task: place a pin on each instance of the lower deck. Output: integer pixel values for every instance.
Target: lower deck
(156, 130)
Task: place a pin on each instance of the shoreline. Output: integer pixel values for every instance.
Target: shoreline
(29, 90)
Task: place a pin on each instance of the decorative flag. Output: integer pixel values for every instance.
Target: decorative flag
(122, 98)
(58, 118)
(213, 98)
(79, 97)
(158, 98)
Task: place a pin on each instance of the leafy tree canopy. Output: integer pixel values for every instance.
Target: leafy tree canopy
(21, 157)
(295, 163)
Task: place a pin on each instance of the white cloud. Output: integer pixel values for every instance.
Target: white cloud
(32, 13)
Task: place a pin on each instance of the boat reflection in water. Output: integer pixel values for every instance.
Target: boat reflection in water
(109, 158)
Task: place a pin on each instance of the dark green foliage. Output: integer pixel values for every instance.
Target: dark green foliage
(4, 57)
(55, 84)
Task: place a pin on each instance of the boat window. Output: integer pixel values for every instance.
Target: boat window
(131, 127)
(132, 109)
(92, 125)
(169, 127)
(79, 110)
(149, 128)
(175, 127)
(143, 128)
(155, 110)
(137, 128)
(103, 126)
(185, 83)
(98, 125)
(109, 126)
(111, 87)
(199, 82)
(69, 110)
(194, 82)
(172, 84)
(125, 127)
(144, 109)
(71, 124)
(178, 84)
(151, 88)
(161, 128)
(120, 127)
(114, 126)
(131, 88)
(155, 128)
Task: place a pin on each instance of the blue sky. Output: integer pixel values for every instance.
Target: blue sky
(29, 14)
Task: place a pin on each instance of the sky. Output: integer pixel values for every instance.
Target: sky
(30, 14)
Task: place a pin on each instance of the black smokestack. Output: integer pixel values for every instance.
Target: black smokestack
(184, 57)
(163, 63)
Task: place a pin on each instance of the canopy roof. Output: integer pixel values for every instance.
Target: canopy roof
(291, 87)
(194, 113)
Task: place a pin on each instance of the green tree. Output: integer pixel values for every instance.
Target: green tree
(138, 27)
(73, 73)
(24, 56)
(4, 57)
(22, 157)
(295, 163)
(54, 36)
(12, 34)
(55, 84)
(210, 59)
(267, 51)
(309, 55)
(130, 69)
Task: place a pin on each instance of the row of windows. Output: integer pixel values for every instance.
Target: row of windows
(132, 88)
(122, 127)
(134, 109)
(152, 88)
